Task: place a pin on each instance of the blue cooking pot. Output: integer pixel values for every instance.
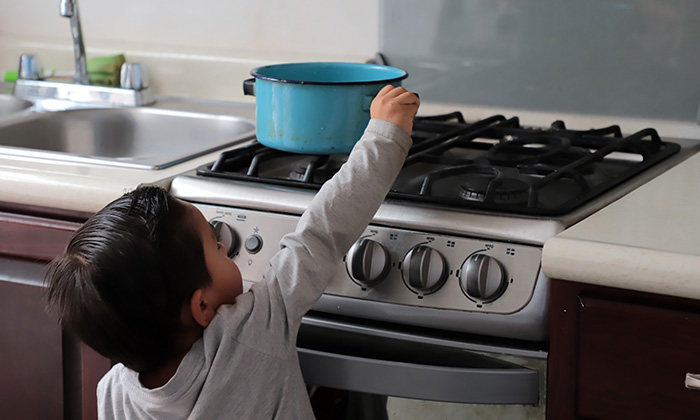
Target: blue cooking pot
(316, 108)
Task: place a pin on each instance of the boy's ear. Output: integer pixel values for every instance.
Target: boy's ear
(202, 311)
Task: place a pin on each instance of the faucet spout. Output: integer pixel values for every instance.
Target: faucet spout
(69, 9)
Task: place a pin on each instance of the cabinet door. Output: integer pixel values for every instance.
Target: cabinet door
(46, 373)
(633, 359)
(31, 384)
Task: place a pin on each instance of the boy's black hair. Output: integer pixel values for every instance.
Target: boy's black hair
(123, 279)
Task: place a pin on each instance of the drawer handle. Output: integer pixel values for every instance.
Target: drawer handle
(692, 381)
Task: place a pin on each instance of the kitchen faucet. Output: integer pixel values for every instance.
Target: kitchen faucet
(69, 9)
(133, 89)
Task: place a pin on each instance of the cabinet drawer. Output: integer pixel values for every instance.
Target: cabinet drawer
(34, 238)
(633, 360)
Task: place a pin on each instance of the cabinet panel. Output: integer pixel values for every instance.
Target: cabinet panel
(33, 237)
(31, 384)
(632, 360)
(47, 374)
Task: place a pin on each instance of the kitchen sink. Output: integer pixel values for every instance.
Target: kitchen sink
(146, 138)
(9, 105)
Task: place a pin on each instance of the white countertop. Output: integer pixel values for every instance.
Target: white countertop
(647, 241)
(76, 186)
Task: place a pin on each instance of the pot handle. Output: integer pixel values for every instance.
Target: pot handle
(249, 87)
(367, 102)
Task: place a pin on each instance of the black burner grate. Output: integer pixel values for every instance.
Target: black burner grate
(494, 164)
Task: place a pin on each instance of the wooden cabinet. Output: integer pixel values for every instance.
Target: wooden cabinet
(46, 373)
(618, 355)
(34, 238)
(31, 384)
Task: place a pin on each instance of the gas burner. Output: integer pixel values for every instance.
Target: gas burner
(526, 150)
(572, 155)
(497, 189)
(479, 183)
(315, 169)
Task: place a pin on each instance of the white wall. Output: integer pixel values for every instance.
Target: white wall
(202, 48)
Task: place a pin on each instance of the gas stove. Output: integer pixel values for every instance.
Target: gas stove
(457, 243)
(494, 164)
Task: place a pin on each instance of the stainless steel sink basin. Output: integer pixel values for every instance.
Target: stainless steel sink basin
(10, 105)
(147, 138)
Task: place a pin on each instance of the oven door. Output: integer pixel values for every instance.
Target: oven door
(411, 371)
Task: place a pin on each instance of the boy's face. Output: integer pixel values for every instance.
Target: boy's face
(226, 277)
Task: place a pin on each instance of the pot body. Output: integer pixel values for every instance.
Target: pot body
(316, 108)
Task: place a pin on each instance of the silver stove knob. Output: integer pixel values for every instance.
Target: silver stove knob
(253, 243)
(367, 262)
(424, 270)
(226, 235)
(482, 278)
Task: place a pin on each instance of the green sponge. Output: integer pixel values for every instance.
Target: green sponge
(105, 70)
(9, 77)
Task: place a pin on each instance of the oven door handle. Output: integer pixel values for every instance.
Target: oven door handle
(371, 359)
(420, 381)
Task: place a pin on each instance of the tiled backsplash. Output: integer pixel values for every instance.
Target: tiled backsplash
(197, 49)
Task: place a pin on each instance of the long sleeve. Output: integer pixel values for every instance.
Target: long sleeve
(309, 256)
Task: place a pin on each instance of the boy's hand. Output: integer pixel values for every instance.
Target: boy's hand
(395, 105)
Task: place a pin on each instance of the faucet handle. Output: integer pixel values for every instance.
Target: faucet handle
(133, 77)
(29, 67)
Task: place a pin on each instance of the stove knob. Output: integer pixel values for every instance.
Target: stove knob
(368, 262)
(253, 243)
(226, 235)
(482, 277)
(424, 270)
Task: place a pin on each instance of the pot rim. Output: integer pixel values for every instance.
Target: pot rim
(256, 72)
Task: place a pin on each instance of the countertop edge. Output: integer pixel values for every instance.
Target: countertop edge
(625, 267)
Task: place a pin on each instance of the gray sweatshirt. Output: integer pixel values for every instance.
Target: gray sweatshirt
(245, 366)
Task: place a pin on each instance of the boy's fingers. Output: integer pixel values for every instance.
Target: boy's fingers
(386, 89)
(408, 98)
(397, 91)
(390, 91)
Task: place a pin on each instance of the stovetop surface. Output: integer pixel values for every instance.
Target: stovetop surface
(491, 165)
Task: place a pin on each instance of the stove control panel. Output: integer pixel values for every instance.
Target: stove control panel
(400, 266)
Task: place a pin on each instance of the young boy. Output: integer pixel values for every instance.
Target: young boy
(146, 284)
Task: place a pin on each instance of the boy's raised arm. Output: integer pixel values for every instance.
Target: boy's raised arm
(345, 204)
